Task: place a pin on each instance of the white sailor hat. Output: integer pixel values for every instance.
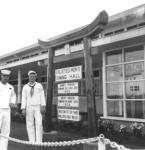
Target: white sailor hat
(5, 72)
(32, 72)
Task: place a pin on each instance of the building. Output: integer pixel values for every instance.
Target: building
(118, 55)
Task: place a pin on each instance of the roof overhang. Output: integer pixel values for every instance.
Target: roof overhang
(94, 28)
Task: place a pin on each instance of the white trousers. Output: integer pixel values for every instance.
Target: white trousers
(4, 127)
(34, 123)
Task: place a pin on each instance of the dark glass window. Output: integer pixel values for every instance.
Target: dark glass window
(135, 109)
(114, 108)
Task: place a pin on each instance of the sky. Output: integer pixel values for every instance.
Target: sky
(23, 22)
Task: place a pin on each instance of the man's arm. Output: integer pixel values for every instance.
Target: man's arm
(13, 98)
(24, 101)
(42, 96)
(43, 101)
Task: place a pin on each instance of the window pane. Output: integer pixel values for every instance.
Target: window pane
(134, 53)
(135, 109)
(114, 91)
(134, 71)
(114, 108)
(135, 90)
(114, 57)
(114, 73)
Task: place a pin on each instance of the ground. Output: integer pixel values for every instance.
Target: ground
(18, 131)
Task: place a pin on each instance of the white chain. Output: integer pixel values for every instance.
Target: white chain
(112, 144)
(69, 143)
(64, 143)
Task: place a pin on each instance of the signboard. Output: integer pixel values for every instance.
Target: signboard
(69, 73)
(68, 114)
(64, 88)
(68, 101)
(68, 106)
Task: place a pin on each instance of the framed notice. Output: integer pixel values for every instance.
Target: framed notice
(68, 114)
(68, 101)
(65, 88)
(69, 73)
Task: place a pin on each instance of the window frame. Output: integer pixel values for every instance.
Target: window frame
(124, 99)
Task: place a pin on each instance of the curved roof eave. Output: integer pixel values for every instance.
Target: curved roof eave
(94, 28)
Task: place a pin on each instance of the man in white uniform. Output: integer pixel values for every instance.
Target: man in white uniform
(7, 100)
(33, 106)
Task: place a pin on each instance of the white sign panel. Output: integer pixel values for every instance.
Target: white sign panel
(70, 73)
(68, 114)
(68, 101)
(64, 88)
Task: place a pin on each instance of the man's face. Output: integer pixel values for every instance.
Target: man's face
(32, 78)
(4, 78)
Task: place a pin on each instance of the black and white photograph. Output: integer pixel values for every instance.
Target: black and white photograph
(72, 75)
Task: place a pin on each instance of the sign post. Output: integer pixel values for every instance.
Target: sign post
(91, 105)
(48, 114)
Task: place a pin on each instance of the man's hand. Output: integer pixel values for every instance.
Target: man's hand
(24, 112)
(43, 109)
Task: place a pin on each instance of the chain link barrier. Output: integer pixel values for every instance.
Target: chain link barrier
(111, 143)
(69, 143)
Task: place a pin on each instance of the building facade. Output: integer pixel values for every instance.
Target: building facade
(118, 56)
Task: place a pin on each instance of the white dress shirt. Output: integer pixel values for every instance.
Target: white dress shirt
(38, 97)
(7, 95)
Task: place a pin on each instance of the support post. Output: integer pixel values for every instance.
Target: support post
(49, 97)
(19, 87)
(91, 105)
(101, 145)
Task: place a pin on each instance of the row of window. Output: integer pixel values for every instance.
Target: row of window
(134, 109)
(125, 82)
(117, 31)
(128, 54)
(24, 57)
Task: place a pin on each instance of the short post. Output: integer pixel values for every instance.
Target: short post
(101, 145)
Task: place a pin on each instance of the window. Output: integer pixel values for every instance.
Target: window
(96, 73)
(134, 53)
(134, 71)
(114, 73)
(134, 90)
(135, 109)
(114, 90)
(115, 108)
(114, 57)
(125, 82)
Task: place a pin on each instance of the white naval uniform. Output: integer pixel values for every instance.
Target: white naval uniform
(32, 104)
(7, 96)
